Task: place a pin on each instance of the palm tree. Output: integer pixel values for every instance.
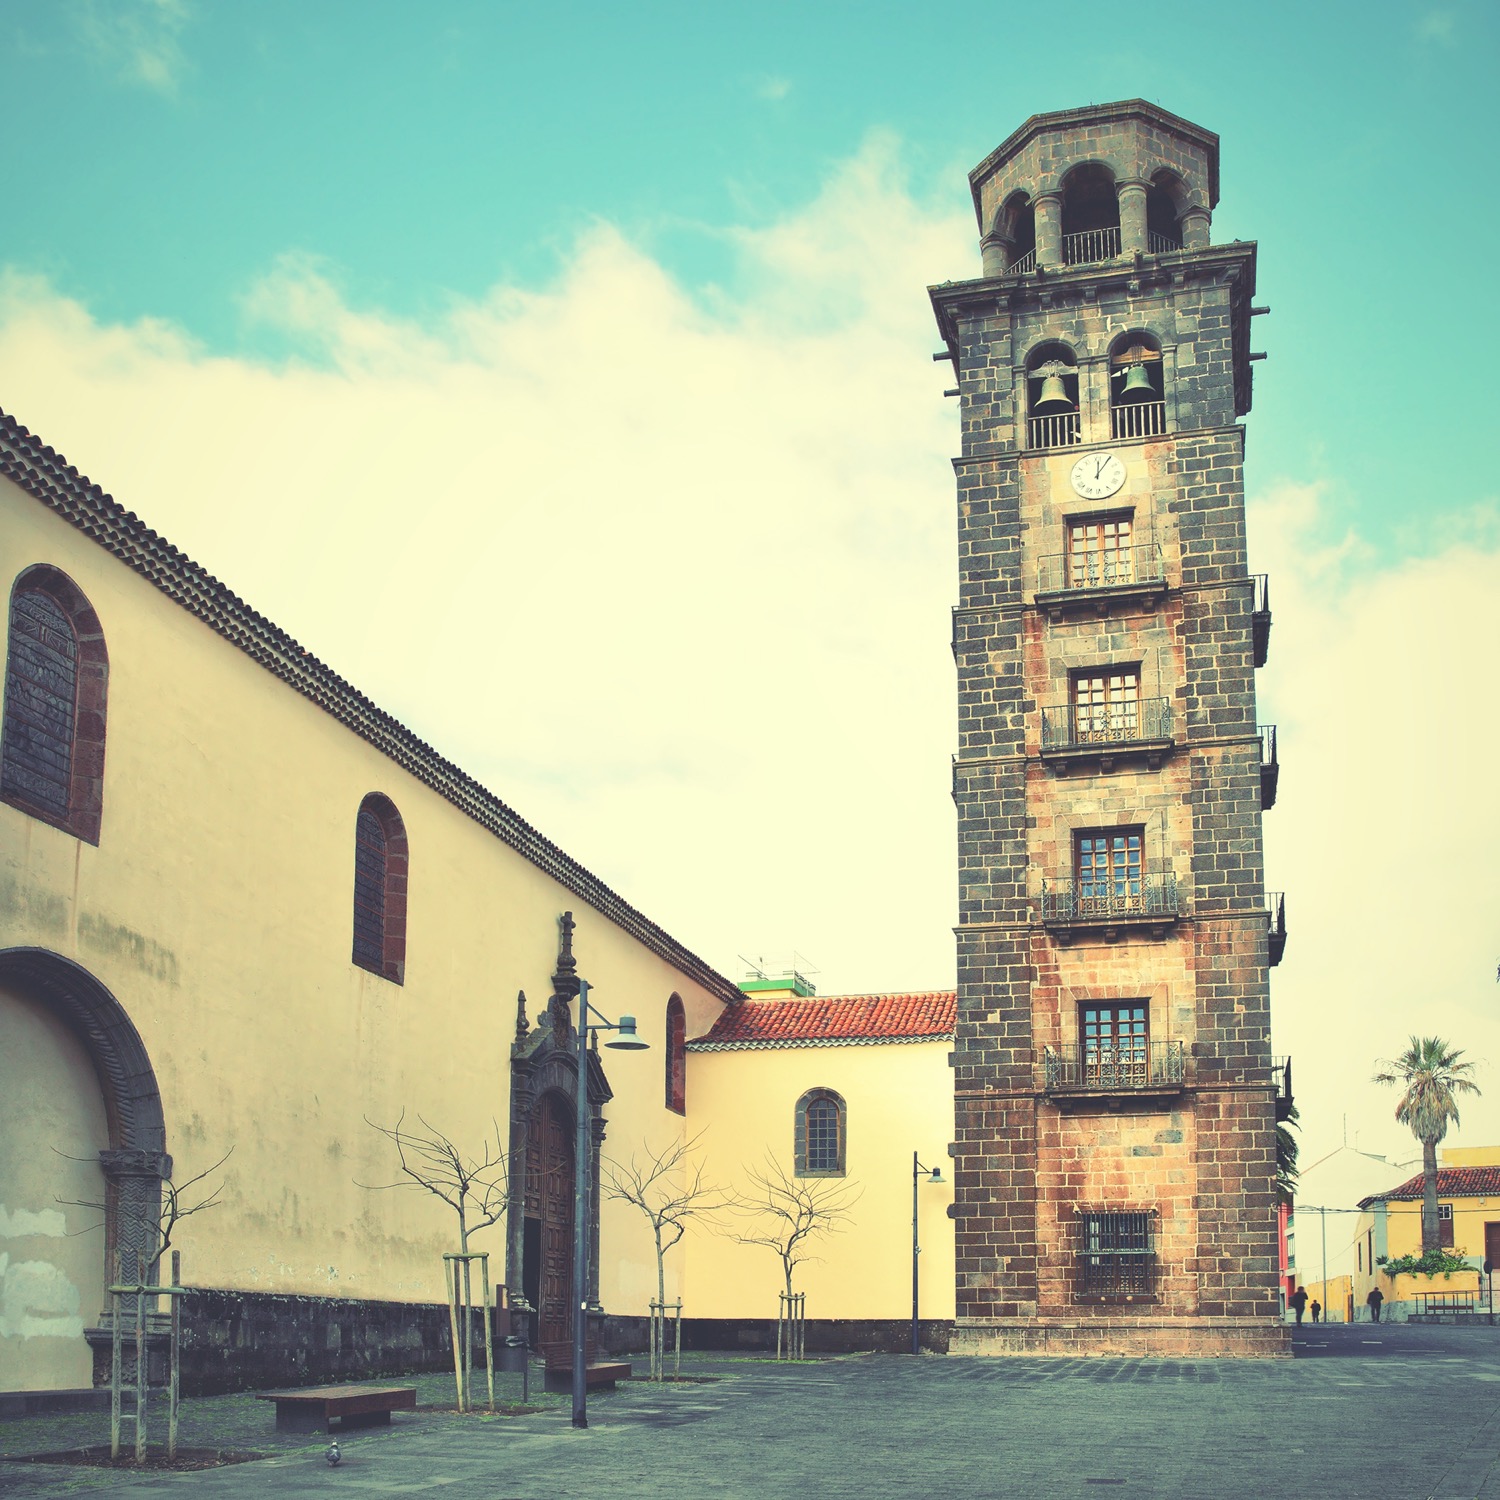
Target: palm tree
(1430, 1074)
(1286, 1158)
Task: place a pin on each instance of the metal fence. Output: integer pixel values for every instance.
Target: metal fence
(1091, 245)
(1061, 430)
(1138, 419)
(1072, 726)
(1062, 572)
(1088, 1068)
(1141, 896)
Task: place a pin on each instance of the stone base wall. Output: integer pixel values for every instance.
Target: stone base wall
(245, 1341)
(1172, 1338)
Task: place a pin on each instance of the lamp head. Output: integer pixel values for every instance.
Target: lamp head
(626, 1039)
(937, 1179)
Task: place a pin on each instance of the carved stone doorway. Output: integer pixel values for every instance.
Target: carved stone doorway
(547, 1270)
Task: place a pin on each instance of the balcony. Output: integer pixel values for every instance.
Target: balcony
(1061, 430)
(1260, 617)
(1024, 266)
(1106, 734)
(1091, 245)
(1276, 926)
(1145, 903)
(1270, 767)
(1083, 1071)
(1281, 1081)
(1161, 244)
(1098, 580)
(1140, 419)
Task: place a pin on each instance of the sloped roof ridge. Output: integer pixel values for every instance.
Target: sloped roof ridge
(833, 1020)
(1452, 1182)
(47, 476)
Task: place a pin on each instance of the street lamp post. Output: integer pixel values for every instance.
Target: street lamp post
(935, 1178)
(583, 1156)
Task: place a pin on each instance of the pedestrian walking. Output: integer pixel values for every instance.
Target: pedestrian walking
(1373, 1301)
(1317, 1307)
(1299, 1303)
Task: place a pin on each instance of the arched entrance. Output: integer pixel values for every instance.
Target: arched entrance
(81, 1162)
(547, 1270)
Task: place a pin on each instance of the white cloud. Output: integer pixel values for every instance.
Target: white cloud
(137, 39)
(1436, 26)
(674, 571)
(772, 89)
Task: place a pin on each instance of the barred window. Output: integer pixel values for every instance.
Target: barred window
(821, 1130)
(380, 867)
(1116, 1254)
(56, 680)
(676, 1056)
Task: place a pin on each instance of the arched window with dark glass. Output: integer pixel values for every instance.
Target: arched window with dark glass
(676, 1056)
(380, 868)
(821, 1134)
(56, 687)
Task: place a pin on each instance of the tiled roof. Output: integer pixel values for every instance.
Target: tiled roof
(1452, 1182)
(832, 1021)
(47, 475)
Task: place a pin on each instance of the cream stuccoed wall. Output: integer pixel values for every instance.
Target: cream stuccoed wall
(899, 1099)
(216, 909)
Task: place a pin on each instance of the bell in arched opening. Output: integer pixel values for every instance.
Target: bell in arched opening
(1052, 396)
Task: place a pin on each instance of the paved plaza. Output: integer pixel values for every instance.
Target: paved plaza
(1361, 1411)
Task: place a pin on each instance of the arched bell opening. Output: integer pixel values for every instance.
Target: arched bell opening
(1018, 228)
(1166, 198)
(1090, 215)
(1052, 407)
(1137, 387)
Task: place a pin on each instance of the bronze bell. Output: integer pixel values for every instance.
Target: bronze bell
(1138, 382)
(1053, 397)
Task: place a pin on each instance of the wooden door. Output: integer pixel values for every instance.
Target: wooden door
(549, 1202)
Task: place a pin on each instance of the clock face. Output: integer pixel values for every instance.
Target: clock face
(1096, 476)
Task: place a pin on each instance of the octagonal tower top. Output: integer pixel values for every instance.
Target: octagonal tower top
(1082, 185)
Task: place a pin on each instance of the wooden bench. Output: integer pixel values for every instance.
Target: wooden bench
(313, 1409)
(557, 1365)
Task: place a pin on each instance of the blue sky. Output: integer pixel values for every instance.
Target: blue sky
(599, 333)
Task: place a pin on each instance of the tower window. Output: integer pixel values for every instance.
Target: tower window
(1107, 867)
(56, 684)
(1116, 1045)
(676, 1097)
(1116, 1254)
(1100, 554)
(1106, 705)
(1165, 200)
(1137, 392)
(820, 1136)
(380, 871)
(1052, 412)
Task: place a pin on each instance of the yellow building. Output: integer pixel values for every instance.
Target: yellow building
(245, 916)
(1390, 1228)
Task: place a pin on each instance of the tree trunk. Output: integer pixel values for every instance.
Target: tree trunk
(1429, 1197)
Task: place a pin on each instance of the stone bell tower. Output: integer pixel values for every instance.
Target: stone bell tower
(1116, 1098)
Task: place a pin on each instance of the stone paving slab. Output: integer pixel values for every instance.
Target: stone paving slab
(1415, 1414)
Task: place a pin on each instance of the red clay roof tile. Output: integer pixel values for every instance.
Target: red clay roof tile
(1453, 1182)
(832, 1021)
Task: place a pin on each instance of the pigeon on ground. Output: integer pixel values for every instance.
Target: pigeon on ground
(334, 1456)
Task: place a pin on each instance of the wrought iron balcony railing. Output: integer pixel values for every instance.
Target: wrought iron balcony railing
(1121, 1277)
(1139, 419)
(1107, 1070)
(1023, 266)
(1061, 430)
(1281, 1078)
(1276, 926)
(1091, 245)
(1113, 724)
(1129, 567)
(1105, 901)
(1260, 616)
(1161, 244)
(1270, 767)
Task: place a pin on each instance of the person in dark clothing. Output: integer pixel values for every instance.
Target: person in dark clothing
(1299, 1303)
(1317, 1308)
(1374, 1300)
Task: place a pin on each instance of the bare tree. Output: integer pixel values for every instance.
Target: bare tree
(788, 1214)
(668, 1188)
(476, 1188)
(178, 1202)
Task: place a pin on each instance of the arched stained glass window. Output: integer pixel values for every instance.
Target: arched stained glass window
(676, 1056)
(56, 677)
(821, 1134)
(380, 865)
